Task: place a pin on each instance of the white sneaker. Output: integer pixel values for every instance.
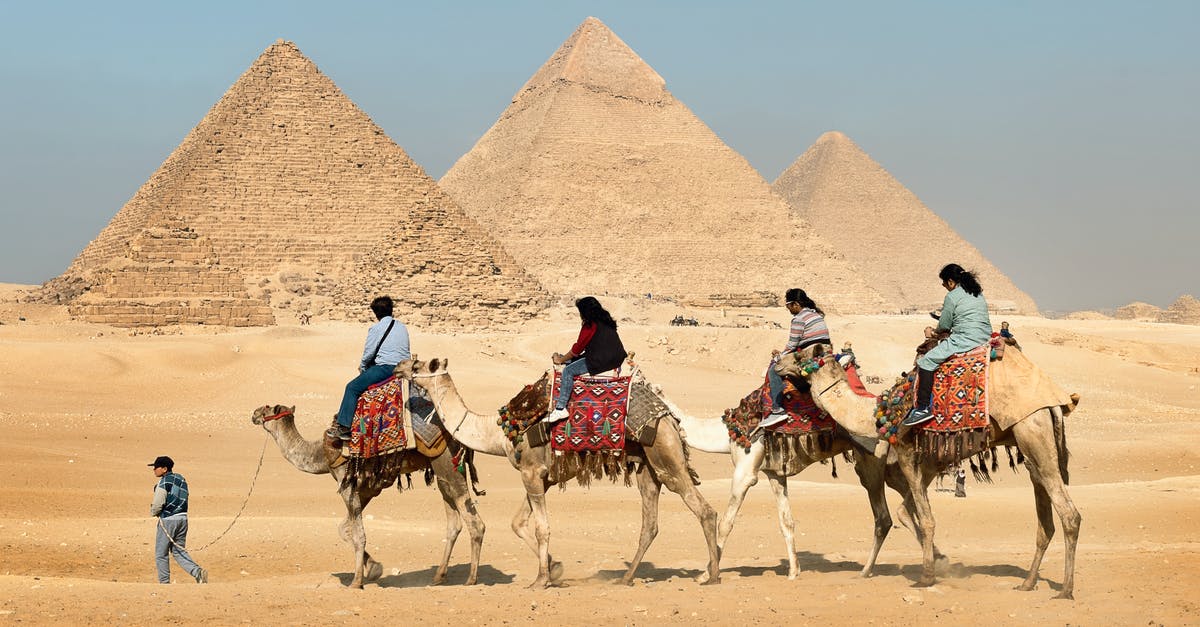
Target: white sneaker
(555, 415)
(772, 419)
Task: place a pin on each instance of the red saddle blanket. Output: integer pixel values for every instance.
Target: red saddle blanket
(595, 415)
(803, 414)
(378, 424)
(960, 399)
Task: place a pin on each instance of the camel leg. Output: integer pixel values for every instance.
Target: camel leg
(534, 478)
(670, 467)
(907, 512)
(745, 475)
(787, 526)
(352, 530)
(915, 477)
(650, 488)
(1035, 437)
(459, 509)
(870, 471)
(522, 525)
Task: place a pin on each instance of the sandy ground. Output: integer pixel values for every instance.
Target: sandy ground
(83, 408)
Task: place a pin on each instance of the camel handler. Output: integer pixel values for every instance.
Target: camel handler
(170, 506)
(386, 346)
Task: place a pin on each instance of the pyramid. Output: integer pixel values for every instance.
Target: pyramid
(292, 187)
(896, 241)
(597, 180)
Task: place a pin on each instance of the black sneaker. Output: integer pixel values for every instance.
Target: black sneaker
(918, 416)
(202, 576)
(338, 432)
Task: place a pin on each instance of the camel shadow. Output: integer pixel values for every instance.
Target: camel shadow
(645, 570)
(806, 561)
(455, 576)
(958, 570)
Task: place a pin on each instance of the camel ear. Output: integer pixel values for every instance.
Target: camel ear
(404, 369)
(438, 364)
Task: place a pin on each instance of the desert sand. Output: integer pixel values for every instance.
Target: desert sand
(85, 407)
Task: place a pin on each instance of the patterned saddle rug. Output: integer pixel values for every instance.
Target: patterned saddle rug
(596, 414)
(384, 423)
(960, 426)
(807, 426)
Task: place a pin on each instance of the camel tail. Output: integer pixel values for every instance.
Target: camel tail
(473, 474)
(1060, 442)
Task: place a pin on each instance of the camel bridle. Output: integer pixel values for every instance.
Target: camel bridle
(283, 414)
(442, 392)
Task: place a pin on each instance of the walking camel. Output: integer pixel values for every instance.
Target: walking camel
(712, 436)
(1040, 437)
(319, 459)
(666, 464)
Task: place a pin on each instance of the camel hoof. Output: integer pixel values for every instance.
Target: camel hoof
(627, 581)
(439, 579)
(470, 582)
(374, 571)
(356, 585)
(711, 581)
(925, 582)
(1026, 586)
(1069, 596)
(540, 583)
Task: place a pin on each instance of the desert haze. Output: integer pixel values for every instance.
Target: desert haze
(84, 407)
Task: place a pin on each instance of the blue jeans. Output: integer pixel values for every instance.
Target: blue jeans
(776, 383)
(357, 386)
(175, 532)
(574, 369)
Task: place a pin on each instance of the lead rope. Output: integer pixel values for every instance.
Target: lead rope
(253, 480)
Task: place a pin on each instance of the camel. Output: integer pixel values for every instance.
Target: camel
(1040, 437)
(712, 436)
(319, 458)
(666, 464)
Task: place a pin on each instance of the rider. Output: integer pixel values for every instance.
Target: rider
(965, 316)
(598, 344)
(808, 329)
(386, 346)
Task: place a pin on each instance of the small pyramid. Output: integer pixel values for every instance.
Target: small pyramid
(170, 275)
(598, 181)
(292, 185)
(892, 236)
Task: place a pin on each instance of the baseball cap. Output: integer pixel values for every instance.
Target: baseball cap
(162, 461)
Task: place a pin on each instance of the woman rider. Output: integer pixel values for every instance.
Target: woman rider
(598, 344)
(808, 329)
(965, 316)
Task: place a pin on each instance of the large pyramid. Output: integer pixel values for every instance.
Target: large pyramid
(598, 180)
(896, 241)
(291, 189)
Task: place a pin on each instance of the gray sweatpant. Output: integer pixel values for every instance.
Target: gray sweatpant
(170, 540)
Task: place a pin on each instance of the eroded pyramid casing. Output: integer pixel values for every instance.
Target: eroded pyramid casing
(895, 240)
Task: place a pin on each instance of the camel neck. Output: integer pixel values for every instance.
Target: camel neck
(855, 413)
(303, 454)
(705, 434)
(479, 432)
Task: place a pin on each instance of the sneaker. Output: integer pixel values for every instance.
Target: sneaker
(338, 432)
(555, 416)
(773, 418)
(202, 576)
(918, 416)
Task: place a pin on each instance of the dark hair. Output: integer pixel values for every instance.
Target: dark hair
(968, 280)
(591, 311)
(797, 295)
(382, 306)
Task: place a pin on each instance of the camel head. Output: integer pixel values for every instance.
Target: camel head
(815, 364)
(419, 372)
(267, 413)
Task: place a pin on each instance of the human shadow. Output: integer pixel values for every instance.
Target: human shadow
(456, 575)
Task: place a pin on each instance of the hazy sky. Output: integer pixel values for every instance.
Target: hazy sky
(1061, 138)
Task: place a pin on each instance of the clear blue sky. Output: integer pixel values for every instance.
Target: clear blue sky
(1061, 138)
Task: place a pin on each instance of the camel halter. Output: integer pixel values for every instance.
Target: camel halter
(442, 397)
(283, 414)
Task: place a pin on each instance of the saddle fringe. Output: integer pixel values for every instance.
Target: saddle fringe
(588, 465)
